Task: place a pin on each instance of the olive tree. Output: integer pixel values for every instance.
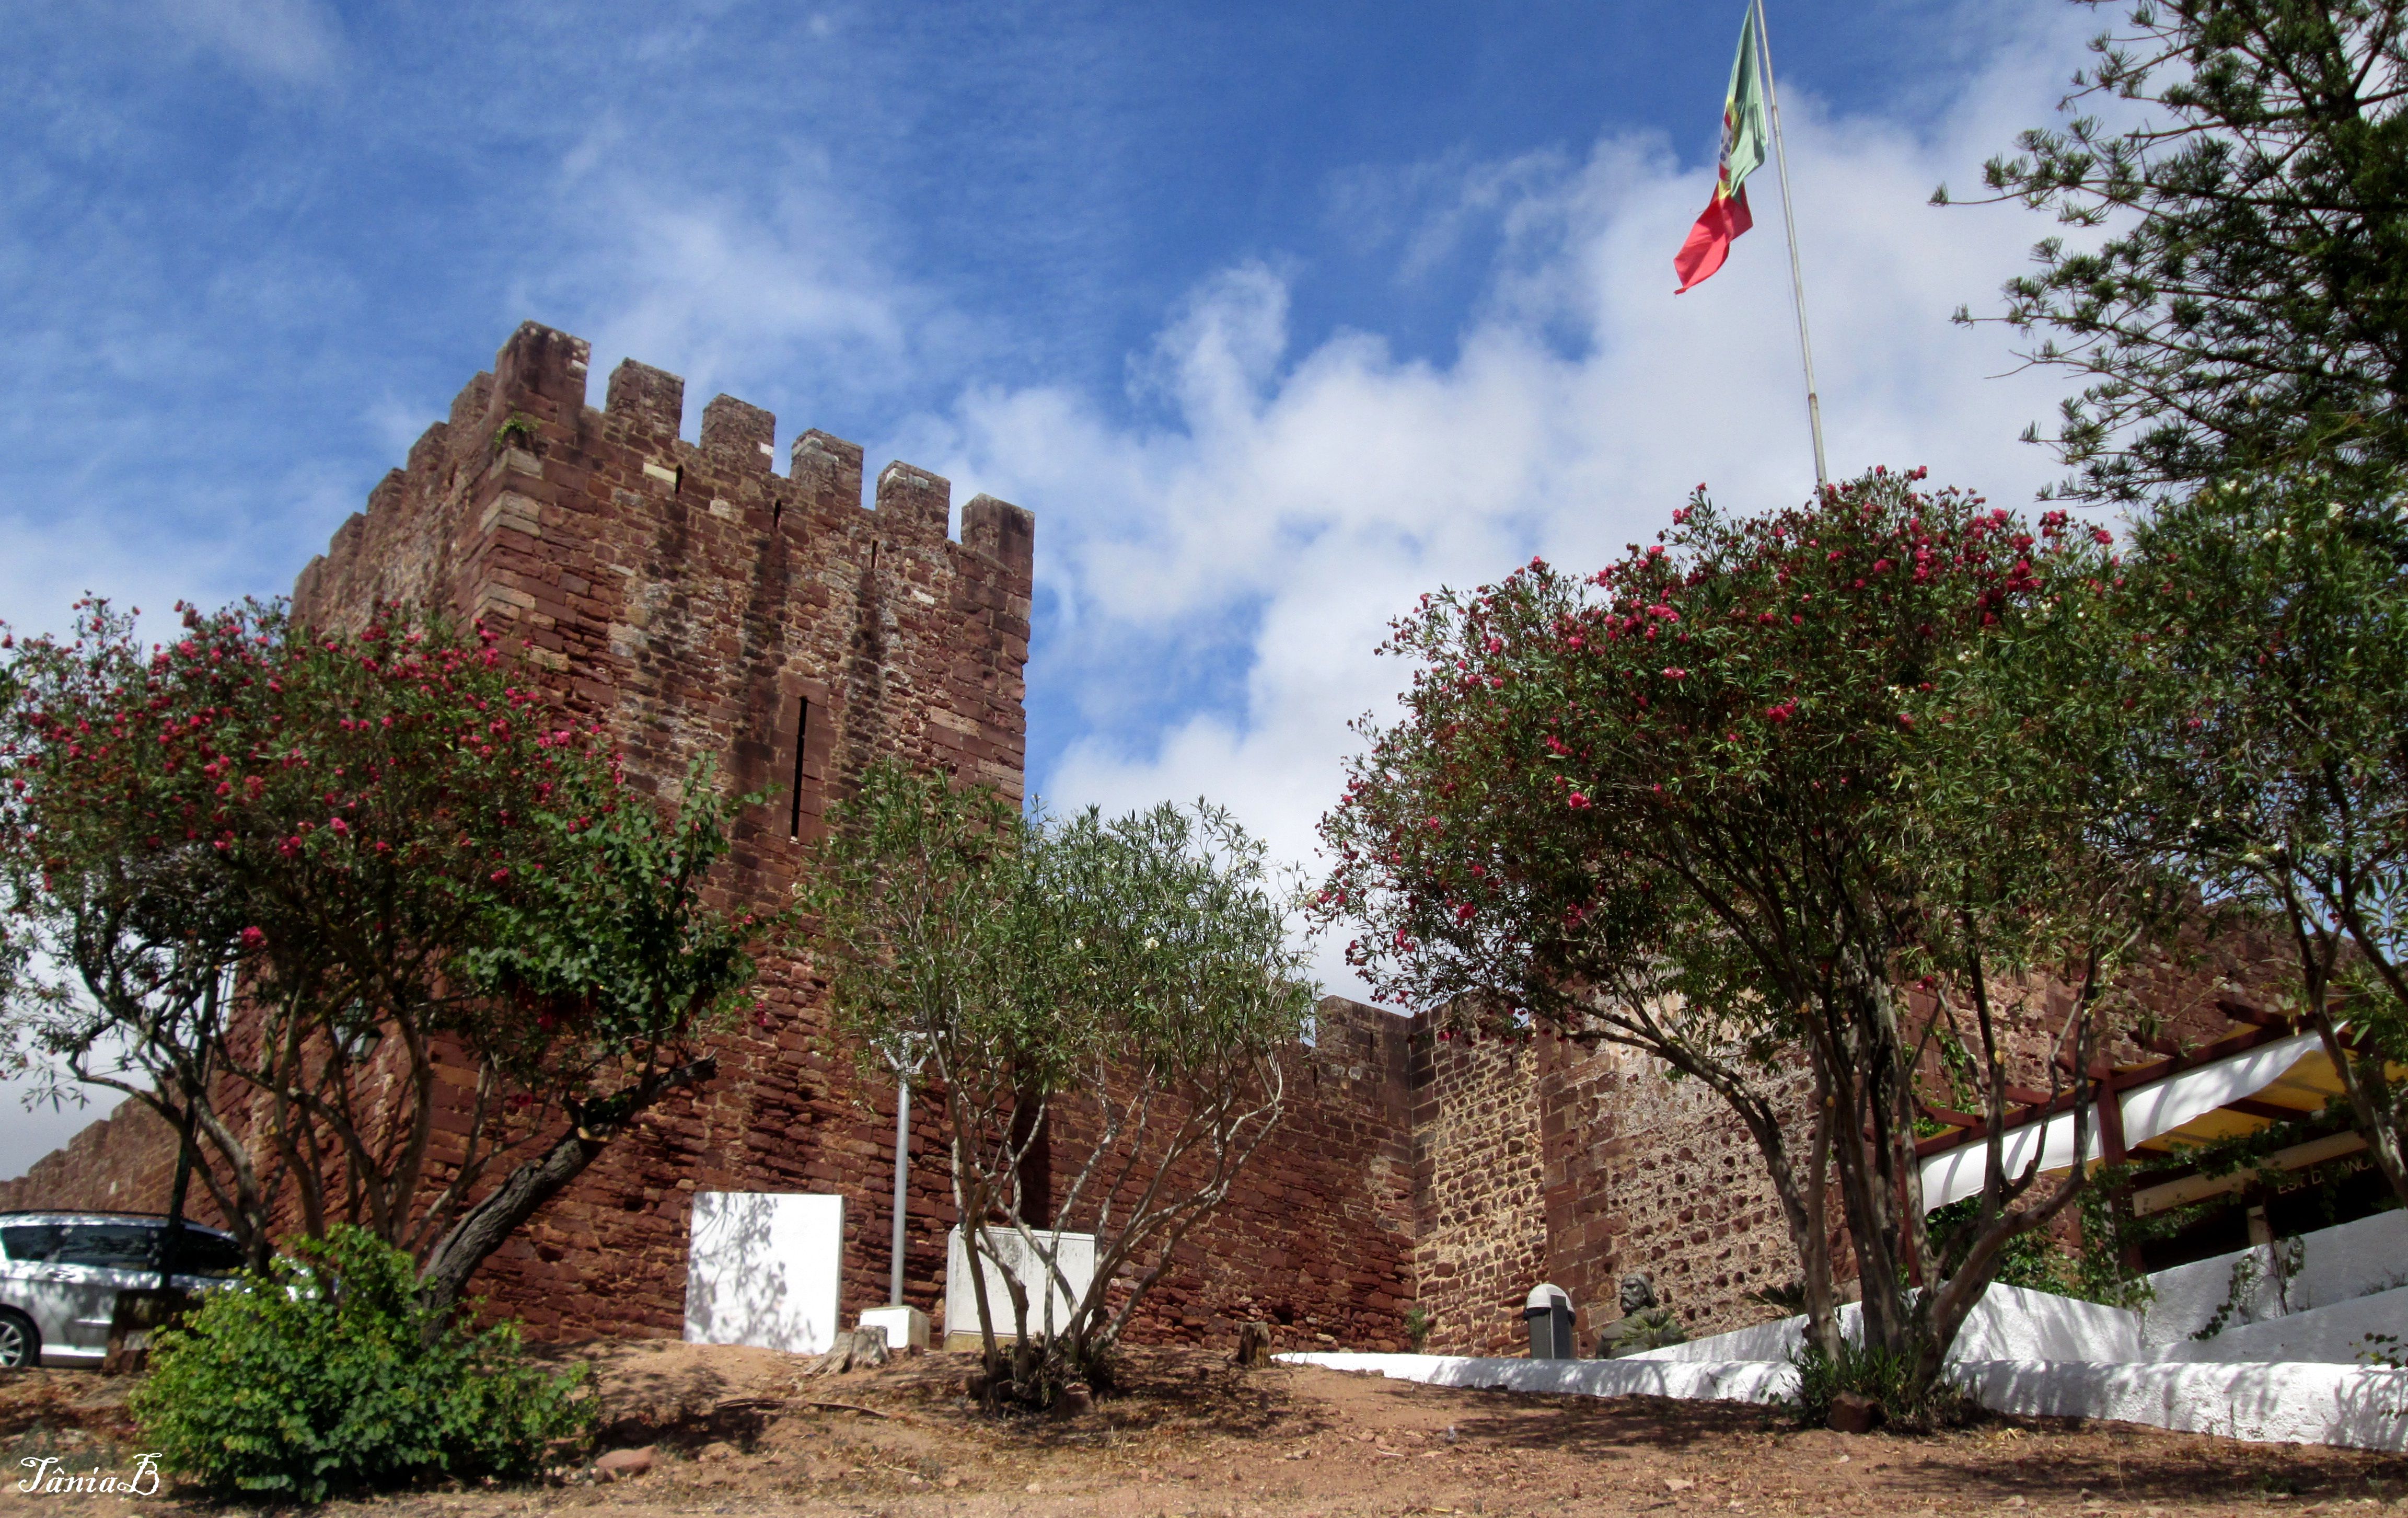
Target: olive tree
(1126, 985)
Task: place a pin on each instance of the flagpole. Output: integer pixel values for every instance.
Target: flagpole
(1789, 226)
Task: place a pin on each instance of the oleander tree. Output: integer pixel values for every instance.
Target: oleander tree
(1127, 982)
(2234, 290)
(1730, 803)
(274, 882)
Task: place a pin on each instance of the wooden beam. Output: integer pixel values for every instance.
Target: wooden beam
(2123, 1080)
(2175, 1194)
(2271, 1111)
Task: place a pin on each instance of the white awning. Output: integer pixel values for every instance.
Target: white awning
(2157, 1108)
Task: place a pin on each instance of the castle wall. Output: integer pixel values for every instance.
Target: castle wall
(1481, 1184)
(1317, 1234)
(701, 604)
(124, 1161)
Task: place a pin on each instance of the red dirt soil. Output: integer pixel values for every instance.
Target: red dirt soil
(739, 1431)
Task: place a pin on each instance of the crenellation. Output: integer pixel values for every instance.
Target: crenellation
(468, 407)
(430, 451)
(827, 471)
(539, 372)
(913, 503)
(1003, 532)
(649, 401)
(744, 432)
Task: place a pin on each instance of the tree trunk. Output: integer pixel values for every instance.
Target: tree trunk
(486, 1223)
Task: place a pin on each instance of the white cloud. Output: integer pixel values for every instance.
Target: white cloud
(289, 41)
(779, 279)
(1301, 500)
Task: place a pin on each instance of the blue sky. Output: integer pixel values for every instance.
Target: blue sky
(1275, 315)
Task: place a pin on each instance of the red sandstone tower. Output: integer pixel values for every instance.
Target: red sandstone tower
(700, 602)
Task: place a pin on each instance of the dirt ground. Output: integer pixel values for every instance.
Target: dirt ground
(740, 1431)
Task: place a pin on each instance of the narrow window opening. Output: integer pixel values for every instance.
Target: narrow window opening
(802, 736)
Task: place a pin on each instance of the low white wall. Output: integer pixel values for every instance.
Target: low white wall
(2332, 1335)
(2008, 1323)
(2336, 1265)
(1744, 1382)
(2267, 1404)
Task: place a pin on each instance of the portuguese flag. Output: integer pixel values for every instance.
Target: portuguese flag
(1726, 217)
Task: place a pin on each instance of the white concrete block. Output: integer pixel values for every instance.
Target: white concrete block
(1074, 1257)
(762, 1269)
(906, 1327)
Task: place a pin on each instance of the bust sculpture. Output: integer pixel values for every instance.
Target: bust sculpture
(1643, 1324)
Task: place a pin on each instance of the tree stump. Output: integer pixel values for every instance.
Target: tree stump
(1253, 1344)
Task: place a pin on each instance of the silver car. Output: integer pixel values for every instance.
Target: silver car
(60, 1274)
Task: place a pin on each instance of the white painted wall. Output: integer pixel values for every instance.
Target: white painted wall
(2336, 1265)
(2332, 1335)
(2008, 1323)
(2274, 1377)
(762, 1269)
(2266, 1404)
(2272, 1404)
(1075, 1254)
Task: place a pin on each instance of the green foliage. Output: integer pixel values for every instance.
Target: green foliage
(327, 1374)
(2248, 306)
(610, 945)
(1418, 1323)
(2034, 1260)
(2262, 632)
(402, 855)
(1134, 970)
(1909, 1399)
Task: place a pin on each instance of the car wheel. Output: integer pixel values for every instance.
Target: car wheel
(21, 1347)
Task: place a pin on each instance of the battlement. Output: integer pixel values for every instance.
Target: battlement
(675, 584)
(538, 386)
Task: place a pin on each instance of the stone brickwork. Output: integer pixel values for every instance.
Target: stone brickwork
(125, 1161)
(1479, 1165)
(1649, 1173)
(1317, 1235)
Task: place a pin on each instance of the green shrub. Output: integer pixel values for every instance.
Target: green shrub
(326, 1374)
(1878, 1375)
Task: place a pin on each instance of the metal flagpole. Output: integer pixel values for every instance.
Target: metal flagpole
(1789, 224)
(906, 1067)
